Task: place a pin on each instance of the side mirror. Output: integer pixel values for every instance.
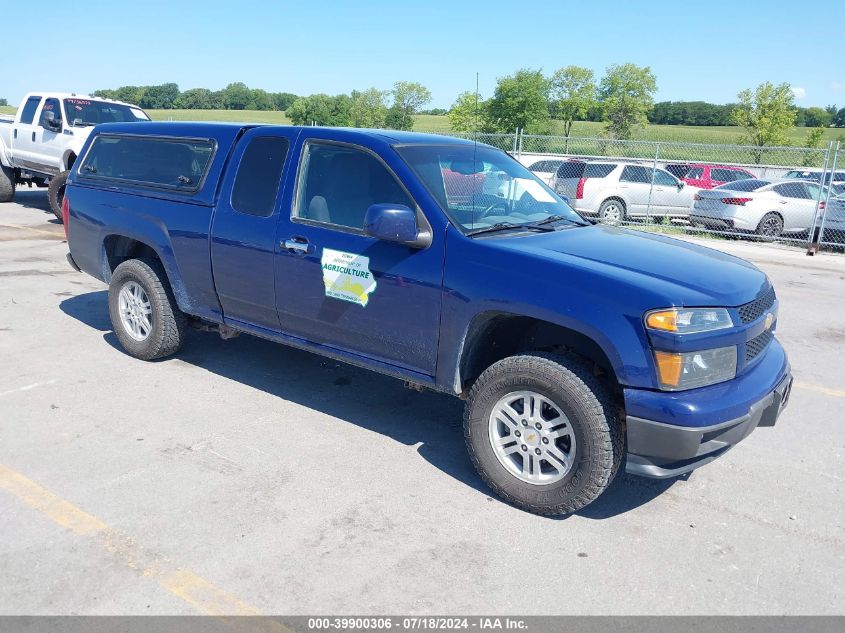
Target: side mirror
(395, 223)
(49, 121)
(681, 184)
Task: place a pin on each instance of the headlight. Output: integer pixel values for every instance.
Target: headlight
(688, 320)
(689, 370)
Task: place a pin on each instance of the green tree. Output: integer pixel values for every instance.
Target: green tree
(4, 102)
(626, 93)
(236, 96)
(260, 100)
(322, 110)
(520, 101)
(369, 108)
(408, 98)
(767, 114)
(468, 113)
(839, 118)
(813, 141)
(817, 117)
(196, 99)
(283, 100)
(161, 97)
(572, 92)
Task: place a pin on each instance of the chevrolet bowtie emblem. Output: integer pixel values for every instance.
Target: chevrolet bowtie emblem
(770, 318)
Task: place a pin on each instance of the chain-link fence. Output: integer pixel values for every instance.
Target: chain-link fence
(792, 195)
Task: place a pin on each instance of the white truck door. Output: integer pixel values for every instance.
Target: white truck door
(50, 139)
(23, 134)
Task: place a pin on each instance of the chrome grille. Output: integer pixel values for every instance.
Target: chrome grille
(753, 310)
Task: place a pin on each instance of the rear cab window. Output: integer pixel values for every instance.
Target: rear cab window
(29, 108)
(259, 174)
(173, 164)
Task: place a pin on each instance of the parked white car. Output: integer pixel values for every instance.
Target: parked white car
(546, 169)
(767, 207)
(616, 191)
(41, 142)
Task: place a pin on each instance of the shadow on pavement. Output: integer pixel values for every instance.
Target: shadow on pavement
(357, 396)
(35, 198)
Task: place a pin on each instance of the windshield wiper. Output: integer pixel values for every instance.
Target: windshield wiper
(504, 226)
(558, 218)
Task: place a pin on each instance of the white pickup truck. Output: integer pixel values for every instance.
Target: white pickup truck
(40, 143)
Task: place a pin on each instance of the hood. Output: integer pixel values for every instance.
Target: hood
(684, 273)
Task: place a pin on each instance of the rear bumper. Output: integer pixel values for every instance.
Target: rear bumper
(73, 263)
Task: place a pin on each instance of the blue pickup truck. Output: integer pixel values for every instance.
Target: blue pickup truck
(446, 264)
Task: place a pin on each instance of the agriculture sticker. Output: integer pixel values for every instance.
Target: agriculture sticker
(347, 276)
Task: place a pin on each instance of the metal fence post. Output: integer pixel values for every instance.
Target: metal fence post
(812, 237)
(651, 185)
(818, 239)
(515, 141)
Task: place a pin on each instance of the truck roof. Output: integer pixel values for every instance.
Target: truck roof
(72, 95)
(229, 130)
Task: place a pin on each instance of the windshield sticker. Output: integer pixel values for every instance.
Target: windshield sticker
(84, 102)
(347, 276)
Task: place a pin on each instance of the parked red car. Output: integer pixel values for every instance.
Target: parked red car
(708, 176)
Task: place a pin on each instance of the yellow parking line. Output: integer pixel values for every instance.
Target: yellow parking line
(836, 393)
(183, 583)
(28, 228)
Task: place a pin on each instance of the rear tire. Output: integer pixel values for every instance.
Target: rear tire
(770, 226)
(143, 311)
(612, 212)
(7, 184)
(553, 413)
(56, 193)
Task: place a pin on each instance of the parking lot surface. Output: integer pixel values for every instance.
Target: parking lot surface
(246, 477)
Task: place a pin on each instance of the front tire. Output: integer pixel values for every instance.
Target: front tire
(143, 311)
(7, 184)
(612, 212)
(543, 433)
(56, 193)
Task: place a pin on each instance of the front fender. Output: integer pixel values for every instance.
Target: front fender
(602, 308)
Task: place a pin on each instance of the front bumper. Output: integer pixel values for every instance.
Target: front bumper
(660, 449)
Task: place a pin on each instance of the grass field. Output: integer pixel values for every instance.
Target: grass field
(440, 124)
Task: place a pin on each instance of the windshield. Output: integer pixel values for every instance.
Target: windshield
(84, 112)
(481, 187)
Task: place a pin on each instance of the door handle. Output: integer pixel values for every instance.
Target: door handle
(298, 246)
(33, 137)
(783, 201)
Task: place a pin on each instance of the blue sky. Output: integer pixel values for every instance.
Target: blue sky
(311, 46)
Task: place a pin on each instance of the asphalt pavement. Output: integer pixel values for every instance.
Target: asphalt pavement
(246, 477)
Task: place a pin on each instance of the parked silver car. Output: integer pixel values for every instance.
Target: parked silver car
(833, 218)
(616, 191)
(767, 207)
